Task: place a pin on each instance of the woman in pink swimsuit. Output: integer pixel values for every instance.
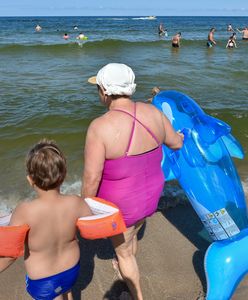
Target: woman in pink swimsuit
(122, 162)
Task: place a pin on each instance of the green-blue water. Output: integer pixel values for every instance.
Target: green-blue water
(44, 90)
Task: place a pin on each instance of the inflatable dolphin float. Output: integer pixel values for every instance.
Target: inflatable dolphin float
(205, 170)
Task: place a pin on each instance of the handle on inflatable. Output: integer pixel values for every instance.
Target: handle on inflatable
(12, 240)
(106, 221)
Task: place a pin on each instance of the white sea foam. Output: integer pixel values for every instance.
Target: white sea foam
(7, 204)
(71, 187)
(245, 187)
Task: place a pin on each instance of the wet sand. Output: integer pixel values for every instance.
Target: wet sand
(170, 257)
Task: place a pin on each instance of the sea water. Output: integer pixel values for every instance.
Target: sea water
(44, 90)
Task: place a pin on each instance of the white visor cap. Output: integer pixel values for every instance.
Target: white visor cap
(116, 79)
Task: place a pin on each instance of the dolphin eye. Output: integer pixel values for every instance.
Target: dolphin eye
(187, 107)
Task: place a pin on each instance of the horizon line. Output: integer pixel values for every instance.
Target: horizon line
(26, 16)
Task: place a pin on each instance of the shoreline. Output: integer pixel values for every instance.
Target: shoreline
(170, 257)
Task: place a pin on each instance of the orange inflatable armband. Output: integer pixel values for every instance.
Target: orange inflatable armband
(12, 238)
(106, 220)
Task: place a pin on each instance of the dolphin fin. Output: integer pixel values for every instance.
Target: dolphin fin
(233, 146)
(210, 129)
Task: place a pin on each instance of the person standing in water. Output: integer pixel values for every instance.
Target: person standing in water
(176, 40)
(229, 28)
(211, 41)
(244, 32)
(161, 30)
(231, 43)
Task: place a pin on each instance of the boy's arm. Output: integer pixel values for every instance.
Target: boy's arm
(17, 218)
(83, 208)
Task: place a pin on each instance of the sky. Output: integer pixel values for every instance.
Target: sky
(123, 8)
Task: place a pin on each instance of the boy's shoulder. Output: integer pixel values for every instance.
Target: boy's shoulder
(24, 205)
(19, 215)
(73, 200)
(79, 205)
(71, 197)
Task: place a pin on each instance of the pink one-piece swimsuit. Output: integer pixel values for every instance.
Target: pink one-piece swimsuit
(134, 182)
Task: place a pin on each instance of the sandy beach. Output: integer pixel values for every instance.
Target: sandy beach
(170, 257)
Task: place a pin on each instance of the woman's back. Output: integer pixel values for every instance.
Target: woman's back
(132, 177)
(117, 128)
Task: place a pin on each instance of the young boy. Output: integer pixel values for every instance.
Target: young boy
(51, 250)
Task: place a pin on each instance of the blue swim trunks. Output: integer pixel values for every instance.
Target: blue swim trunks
(51, 287)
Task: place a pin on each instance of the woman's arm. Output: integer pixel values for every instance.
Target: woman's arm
(94, 157)
(173, 139)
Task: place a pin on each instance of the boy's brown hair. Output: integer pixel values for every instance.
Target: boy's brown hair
(46, 165)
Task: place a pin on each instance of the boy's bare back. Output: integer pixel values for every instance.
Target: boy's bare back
(51, 246)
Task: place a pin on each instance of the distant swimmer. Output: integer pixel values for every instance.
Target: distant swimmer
(231, 43)
(211, 40)
(155, 90)
(244, 32)
(176, 40)
(75, 28)
(38, 28)
(229, 28)
(161, 30)
(81, 37)
(66, 36)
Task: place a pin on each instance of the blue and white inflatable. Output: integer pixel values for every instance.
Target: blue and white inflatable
(206, 172)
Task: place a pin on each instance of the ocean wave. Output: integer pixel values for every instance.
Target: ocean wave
(103, 43)
(10, 201)
(15, 48)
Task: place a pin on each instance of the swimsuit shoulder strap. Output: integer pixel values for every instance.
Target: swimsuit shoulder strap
(133, 125)
(143, 125)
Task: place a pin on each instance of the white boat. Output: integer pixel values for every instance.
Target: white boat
(151, 18)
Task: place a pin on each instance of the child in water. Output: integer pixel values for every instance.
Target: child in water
(51, 249)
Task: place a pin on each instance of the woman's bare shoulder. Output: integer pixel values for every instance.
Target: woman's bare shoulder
(99, 122)
(148, 108)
